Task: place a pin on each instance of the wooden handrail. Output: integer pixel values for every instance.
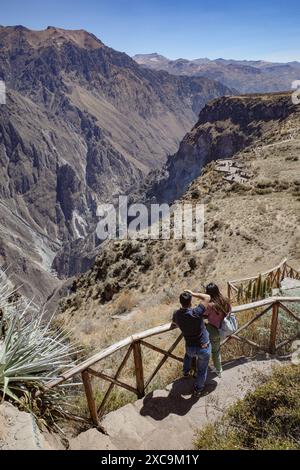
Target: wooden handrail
(260, 285)
(135, 341)
(109, 351)
(149, 333)
(262, 274)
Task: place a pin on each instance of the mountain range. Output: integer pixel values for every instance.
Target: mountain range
(82, 123)
(246, 76)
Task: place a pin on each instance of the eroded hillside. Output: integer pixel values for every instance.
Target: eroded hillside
(249, 226)
(225, 126)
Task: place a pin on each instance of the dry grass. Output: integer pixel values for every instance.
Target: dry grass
(126, 302)
(266, 419)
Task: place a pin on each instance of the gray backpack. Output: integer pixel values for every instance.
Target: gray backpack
(229, 326)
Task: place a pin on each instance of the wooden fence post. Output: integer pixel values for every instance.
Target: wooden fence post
(100, 410)
(90, 396)
(139, 372)
(274, 324)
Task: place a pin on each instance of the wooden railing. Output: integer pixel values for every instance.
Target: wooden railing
(260, 286)
(135, 342)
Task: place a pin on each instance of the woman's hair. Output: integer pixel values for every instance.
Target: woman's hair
(221, 303)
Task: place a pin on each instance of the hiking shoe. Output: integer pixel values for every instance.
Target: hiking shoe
(197, 392)
(217, 372)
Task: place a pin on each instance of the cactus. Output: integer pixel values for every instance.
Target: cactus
(254, 292)
(259, 287)
(264, 289)
(249, 291)
(269, 286)
(240, 294)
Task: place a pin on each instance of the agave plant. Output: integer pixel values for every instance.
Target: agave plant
(31, 352)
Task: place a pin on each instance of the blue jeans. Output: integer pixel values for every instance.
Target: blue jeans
(202, 356)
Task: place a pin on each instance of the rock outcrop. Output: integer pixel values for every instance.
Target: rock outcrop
(225, 126)
(19, 431)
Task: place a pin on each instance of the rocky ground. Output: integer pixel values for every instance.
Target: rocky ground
(20, 431)
(165, 419)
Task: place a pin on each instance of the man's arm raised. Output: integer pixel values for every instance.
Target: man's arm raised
(205, 298)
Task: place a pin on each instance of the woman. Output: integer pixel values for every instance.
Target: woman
(218, 308)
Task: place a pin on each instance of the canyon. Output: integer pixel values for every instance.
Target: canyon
(82, 123)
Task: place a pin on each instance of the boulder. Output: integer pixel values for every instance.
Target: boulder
(19, 431)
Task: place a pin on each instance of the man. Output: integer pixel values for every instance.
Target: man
(190, 321)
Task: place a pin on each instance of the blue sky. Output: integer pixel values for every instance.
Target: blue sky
(233, 29)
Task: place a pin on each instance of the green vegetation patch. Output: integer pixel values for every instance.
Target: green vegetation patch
(268, 418)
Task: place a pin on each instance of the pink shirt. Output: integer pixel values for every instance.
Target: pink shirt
(213, 317)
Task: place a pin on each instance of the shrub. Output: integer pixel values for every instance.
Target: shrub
(267, 418)
(195, 194)
(126, 302)
(192, 264)
(264, 183)
(147, 263)
(262, 191)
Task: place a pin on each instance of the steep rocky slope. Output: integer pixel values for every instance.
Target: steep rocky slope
(81, 123)
(249, 226)
(225, 126)
(244, 75)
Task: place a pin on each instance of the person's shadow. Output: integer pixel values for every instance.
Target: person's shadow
(179, 401)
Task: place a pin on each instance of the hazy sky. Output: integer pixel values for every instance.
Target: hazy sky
(255, 29)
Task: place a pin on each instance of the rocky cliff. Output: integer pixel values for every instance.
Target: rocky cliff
(225, 126)
(81, 123)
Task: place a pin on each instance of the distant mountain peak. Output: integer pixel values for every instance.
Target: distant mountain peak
(49, 36)
(152, 57)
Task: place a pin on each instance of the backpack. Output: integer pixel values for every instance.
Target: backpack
(229, 326)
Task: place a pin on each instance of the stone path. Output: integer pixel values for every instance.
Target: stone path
(167, 419)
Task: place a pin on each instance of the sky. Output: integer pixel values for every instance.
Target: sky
(232, 29)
